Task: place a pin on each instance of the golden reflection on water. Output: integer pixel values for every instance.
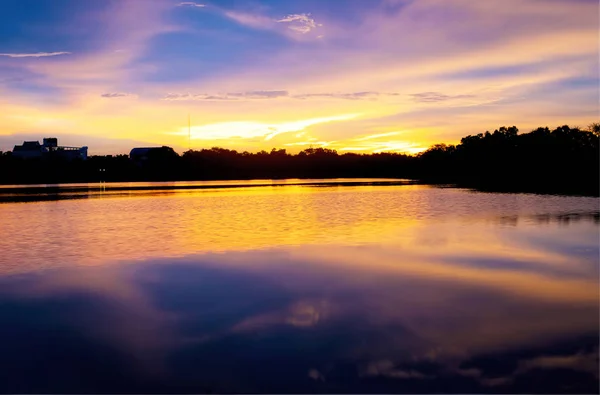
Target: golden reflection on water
(416, 219)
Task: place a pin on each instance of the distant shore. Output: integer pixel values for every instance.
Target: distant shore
(560, 161)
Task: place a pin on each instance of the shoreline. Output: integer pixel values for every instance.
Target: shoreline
(14, 193)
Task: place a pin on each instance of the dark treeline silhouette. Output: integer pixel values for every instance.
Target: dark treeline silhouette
(563, 160)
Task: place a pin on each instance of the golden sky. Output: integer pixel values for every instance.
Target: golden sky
(355, 76)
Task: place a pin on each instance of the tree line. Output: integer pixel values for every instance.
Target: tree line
(563, 160)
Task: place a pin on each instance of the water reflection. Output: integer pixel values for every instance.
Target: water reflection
(94, 231)
(45, 192)
(355, 289)
(299, 319)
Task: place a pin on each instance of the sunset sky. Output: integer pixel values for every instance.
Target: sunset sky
(351, 75)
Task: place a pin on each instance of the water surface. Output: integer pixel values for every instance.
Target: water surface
(322, 287)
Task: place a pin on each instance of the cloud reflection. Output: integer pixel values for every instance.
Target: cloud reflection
(316, 308)
(370, 288)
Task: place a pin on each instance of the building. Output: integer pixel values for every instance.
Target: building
(29, 149)
(49, 149)
(142, 154)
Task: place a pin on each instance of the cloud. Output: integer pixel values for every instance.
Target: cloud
(274, 94)
(377, 136)
(587, 362)
(190, 4)
(113, 95)
(195, 97)
(291, 24)
(347, 96)
(436, 97)
(311, 142)
(251, 20)
(252, 129)
(126, 25)
(261, 94)
(302, 23)
(386, 368)
(226, 96)
(583, 362)
(298, 23)
(34, 55)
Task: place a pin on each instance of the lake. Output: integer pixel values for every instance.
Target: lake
(368, 286)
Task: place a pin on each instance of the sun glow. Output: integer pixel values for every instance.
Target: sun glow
(251, 129)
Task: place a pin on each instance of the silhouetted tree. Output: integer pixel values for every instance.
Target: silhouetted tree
(563, 160)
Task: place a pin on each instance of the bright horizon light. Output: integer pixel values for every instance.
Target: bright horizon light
(250, 129)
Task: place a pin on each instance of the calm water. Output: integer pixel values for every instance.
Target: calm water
(321, 287)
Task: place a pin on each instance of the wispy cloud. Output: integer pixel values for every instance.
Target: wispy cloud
(114, 95)
(251, 129)
(274, 94)
(261, 94)
(226, 96)
(252, 20)
(309, 143)
(376, 136)
(347, 96)
(302, 23)
(387, 368)
(190, 4)
(435, 97)
(297, 23)
(34, 55)
(193, 97)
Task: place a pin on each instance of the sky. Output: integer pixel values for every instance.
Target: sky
(350, 75)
